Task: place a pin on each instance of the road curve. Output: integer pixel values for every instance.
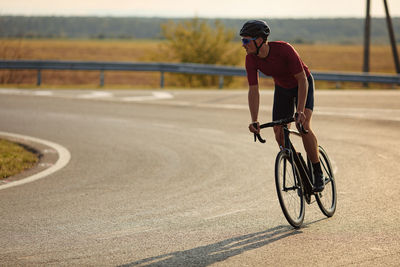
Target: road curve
(173, 178)
(59, 160)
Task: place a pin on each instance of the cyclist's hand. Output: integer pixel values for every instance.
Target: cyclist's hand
(254, 129)
(300, 117)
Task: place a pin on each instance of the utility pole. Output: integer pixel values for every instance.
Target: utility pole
(367, 38)
(392, 39)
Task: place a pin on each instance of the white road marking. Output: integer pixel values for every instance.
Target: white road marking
(43, 93)
(63, 158)
(154, 96)
(13, 91)
(224, 106)
(96, 94)
(163, 95)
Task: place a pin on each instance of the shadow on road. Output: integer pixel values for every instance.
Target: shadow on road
(209, 254)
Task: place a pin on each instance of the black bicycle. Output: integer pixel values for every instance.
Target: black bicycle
(294, 177)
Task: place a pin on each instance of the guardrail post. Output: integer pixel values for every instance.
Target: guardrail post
(39, 78)
(162, 80)
(221, 82)
(101, 78)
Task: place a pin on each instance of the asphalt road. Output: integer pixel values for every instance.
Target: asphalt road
(173, 178)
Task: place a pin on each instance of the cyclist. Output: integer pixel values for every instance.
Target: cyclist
(294, 85)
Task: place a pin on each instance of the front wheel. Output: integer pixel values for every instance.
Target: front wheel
(327, 199)
(289, 189)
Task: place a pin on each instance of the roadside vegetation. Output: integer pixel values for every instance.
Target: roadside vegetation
(14, 159)
(195, 41)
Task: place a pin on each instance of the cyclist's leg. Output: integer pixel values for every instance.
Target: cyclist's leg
(309, 140)
(279, 136)
(311, 146)
(283, 108)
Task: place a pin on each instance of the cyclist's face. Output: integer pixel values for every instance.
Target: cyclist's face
(249, 46)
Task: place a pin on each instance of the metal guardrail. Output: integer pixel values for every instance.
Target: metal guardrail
(186, 68)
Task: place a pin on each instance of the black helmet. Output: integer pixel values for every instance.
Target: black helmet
(255, 28)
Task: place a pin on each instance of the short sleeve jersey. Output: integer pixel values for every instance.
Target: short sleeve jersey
(282, 63)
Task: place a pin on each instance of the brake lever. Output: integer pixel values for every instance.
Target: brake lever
(257, 136)
(300, 126)
(301, 129)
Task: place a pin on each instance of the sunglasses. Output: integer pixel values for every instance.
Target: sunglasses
(246, 41)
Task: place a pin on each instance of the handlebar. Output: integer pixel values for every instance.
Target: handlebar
(286, 121)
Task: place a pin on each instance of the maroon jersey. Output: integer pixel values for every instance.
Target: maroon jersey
(282, 63)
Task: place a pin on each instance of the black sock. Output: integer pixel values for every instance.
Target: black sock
(317, 168)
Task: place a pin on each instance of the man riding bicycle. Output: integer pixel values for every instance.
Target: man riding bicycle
(294, 85)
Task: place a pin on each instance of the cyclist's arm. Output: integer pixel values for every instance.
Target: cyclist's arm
(302, 91)
(254, 102)
(253, 95)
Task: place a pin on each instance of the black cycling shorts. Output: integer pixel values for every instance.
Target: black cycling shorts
(285, 100)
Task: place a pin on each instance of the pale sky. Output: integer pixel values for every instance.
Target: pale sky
(200, 8)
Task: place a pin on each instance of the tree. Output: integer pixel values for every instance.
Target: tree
(195, 41)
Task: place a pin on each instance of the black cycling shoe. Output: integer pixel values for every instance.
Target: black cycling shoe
(319, 182)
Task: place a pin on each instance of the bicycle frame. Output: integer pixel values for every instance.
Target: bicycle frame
(306, 175)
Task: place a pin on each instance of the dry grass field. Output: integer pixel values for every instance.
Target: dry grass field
(317, 57)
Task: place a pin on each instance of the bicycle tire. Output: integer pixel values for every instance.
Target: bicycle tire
(289, 190)
(327, 199)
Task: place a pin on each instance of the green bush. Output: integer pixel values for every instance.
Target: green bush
(195, 41)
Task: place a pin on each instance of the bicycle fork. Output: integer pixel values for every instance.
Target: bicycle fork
(296, 186)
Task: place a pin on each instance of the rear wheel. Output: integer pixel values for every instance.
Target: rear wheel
(289, 190)
(327, 199)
